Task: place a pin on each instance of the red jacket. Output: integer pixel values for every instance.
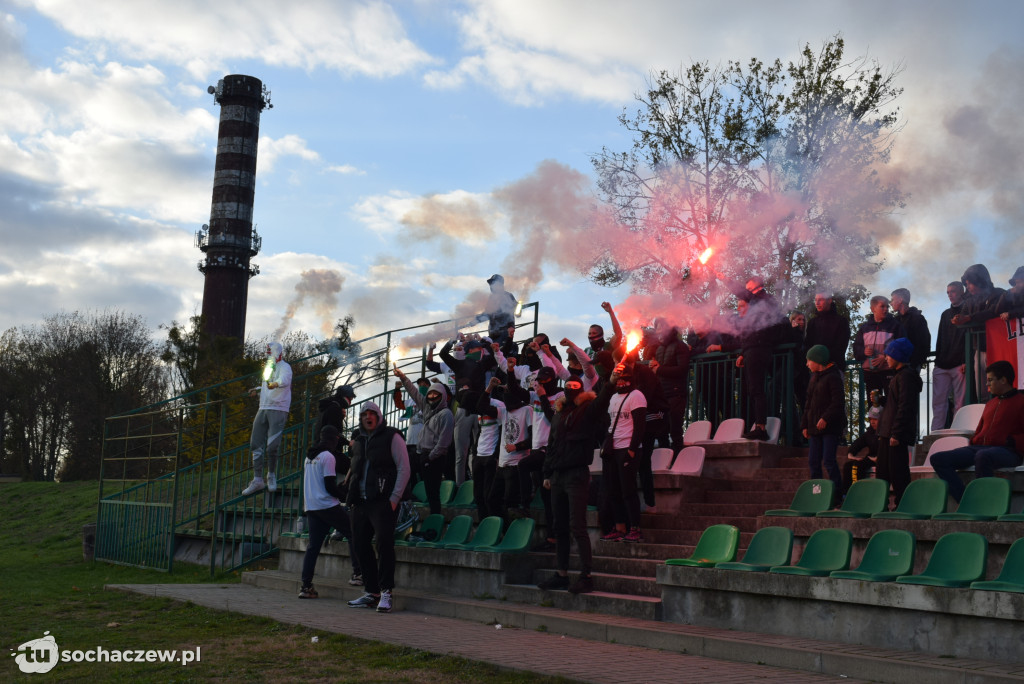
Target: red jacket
(1002, 422)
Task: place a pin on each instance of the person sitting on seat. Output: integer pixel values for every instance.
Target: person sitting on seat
(862, 454)
(999, 440)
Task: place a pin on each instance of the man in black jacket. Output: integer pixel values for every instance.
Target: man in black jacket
(576, 421)
(376, 482)
(671, 364)
(828, 328)
(913, 326)
(948, 376)
(897, 428)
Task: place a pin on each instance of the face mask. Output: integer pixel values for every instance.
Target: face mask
(572, 392)
(474, 355)
(435, 402)
(423, 390)
(624, 388)
(576, 372)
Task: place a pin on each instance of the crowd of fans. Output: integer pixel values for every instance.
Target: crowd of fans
(524, 419)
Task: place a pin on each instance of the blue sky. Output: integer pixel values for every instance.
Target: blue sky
(107, 139)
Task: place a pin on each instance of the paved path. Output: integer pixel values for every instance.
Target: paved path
(540, 652)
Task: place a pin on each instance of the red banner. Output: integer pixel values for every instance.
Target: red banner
(1005, 342)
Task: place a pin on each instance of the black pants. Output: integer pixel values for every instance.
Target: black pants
(531, 476)
(320, 524)
(861, 467)
(432, 473)
(675, 419)
(893, 466)
(618, 475)
(756, 363)
(375, 518)
(569, 491)
(504, 491)
(655, 431)
(483, 480)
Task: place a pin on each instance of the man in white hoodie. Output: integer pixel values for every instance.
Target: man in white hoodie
(275, 401)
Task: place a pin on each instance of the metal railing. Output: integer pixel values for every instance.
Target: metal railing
(178, 467)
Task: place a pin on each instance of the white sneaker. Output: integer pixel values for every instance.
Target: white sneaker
(254, 486)
(272, 482)
(384, 604)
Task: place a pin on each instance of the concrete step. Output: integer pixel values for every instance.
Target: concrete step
(756, 485)
(612, 583)
(585, 616)
(609, 565)
(766, 499)
(746, 510)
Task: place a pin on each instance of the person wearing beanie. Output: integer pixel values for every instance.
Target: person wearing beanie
(897, 427)
(824, 417)
(376, 483)
(863, 453)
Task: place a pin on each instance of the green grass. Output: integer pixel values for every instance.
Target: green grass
(45, 585)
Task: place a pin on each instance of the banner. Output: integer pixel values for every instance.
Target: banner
(1005, 342)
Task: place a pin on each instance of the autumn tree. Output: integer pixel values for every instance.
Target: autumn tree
(775, 168)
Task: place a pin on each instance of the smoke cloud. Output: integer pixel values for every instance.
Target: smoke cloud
(320, 287)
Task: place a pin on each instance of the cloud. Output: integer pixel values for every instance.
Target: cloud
(451, 218)
(351, 38)
(270, 150)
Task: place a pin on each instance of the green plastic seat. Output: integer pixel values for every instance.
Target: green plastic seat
(1011, 577)
(865, 498)
(769, 547)
(447, 491)
(921, 500)
(457, 532)
(433, 522)
(826, 552)
(419, 492)
(464, 496)
(537, 503)
(889, 554)
(811, 498)
(717, 544)
(1012, 517)
(957, 560)
(986, 498)
(487, 534)
(516, 540)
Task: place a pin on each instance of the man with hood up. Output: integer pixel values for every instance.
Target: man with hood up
(979, 305)
(671, 365)
(275, 402)
(376, 483)
(501, 310)
(435, 436)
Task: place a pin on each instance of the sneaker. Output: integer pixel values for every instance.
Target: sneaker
(584, 584)
(384, 603)
(356, 580)
(554, 582)
(254, 486)
(365, 601)
(758, 434)
(337, 537)
(308, 592)
(272, 482)
(614, 535)
(633, 535)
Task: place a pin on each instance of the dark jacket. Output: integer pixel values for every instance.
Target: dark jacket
(468, 370)
(876, 335)
(372, 451)
(899, 413)
(825, 399)
(830, 329)
(949, 344)
(914, 327)
(1012, 304)
(673, 357)
(576, 431)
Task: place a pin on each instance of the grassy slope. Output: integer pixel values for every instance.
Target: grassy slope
(46, 586)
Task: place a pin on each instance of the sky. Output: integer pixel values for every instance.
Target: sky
(108, 138)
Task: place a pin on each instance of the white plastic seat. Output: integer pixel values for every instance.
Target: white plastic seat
(773, 427)
(941, 444)
(730, 430)
(661, 460)
(697, 431)
(690, 461)
(965, 422)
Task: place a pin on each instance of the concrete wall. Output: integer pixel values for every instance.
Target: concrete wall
(955, 622)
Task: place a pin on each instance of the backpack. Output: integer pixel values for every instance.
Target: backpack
(406, 516)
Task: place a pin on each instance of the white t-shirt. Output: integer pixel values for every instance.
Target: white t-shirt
(313, 474)
(624, 428)
(514, 425)
(541, 424)
(490, 430)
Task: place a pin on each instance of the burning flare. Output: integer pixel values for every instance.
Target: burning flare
(519, 308)
(632, 340)
(268, 368)
(705, 255)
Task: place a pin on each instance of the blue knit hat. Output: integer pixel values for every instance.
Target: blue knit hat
(900, 349)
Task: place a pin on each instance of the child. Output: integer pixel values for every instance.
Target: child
(824, 418)
(897, 429)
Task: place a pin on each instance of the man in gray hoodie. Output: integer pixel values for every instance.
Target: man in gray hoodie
(435, 436)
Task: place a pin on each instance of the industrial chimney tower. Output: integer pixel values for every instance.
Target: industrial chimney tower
(229, 241)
